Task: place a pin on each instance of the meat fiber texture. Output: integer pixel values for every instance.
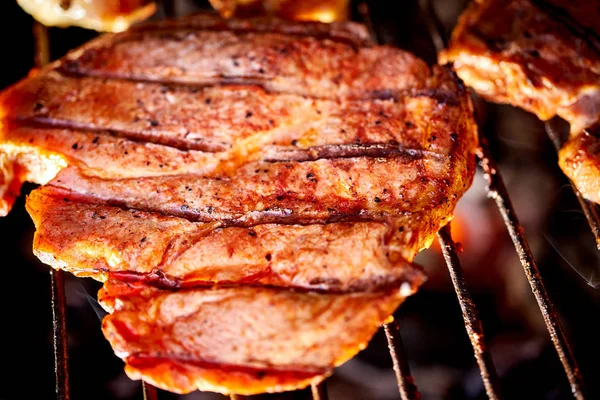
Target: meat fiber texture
(251, 192)
(542, 56)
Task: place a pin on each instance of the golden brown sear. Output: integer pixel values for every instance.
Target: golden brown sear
(538, 55)
(580, 160)
(163, 250)
(297, 167)
(242, 340)
(542, 56)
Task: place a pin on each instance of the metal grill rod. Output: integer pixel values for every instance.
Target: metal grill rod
(406, 384)
(497, 191)
(61, 356)
(149, 391)
(469, 313)
(57, 284)
(319, 392)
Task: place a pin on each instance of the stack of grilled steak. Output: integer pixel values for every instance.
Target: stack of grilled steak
(252, 192)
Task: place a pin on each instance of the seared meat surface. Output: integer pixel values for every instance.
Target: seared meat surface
(170, 252)
(538, 55)
(241, 340)
(580, 160)
(239, 176)
(542, 56)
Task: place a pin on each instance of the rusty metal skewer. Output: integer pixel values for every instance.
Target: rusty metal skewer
(61, 355)
(406, 384)
(469, 313)
(498, 192)
(319, 391)
(149, 391)
(57, 284)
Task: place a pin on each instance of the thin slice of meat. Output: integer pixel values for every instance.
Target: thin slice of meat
(238, 340)
(282, 63)
(580, 160)
(297, 167)
(539, 55)
(218, 119)
(543, 56)
(103, 242)
(119, 129)
(302, 192)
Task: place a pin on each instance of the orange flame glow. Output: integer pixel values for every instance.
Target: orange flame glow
(307, 10)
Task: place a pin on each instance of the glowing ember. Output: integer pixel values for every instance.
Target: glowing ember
(310, 10)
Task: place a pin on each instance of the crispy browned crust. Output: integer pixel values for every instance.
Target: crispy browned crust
(170, 252)
(580, 160)
(543, 56)
(343, 31)
(283, 63)
(238, 340)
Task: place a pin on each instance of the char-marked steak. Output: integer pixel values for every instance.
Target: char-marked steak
(252, 193)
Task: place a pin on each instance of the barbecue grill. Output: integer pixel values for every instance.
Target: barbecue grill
(496, 191)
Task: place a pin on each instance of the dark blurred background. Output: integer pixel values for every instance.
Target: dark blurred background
(438, 349)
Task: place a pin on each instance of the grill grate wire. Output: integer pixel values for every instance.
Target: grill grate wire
(470, 316)
(497, 191)
(407, 388)
(57, 283)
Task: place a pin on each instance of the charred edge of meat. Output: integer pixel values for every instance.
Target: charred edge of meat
(163, 281)
(564, 18)
(442, 96)
(176, 33)
(375, 150)
(343, 32)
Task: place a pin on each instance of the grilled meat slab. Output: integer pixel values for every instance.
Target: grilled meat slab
(542, 56)
(121, 129)
(296, 167)
(580, 160)
(238, 340)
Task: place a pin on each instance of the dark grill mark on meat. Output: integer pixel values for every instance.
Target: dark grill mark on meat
(374, 150)
(563, 17)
